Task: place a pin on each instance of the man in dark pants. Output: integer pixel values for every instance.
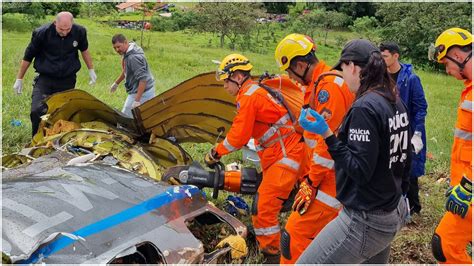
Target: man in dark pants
(411, 93)
(54, 47)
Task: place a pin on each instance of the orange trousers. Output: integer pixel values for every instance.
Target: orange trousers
(277, 183)
(455, 233)
(302, 229)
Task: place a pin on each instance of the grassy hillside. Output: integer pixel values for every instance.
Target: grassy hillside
(174, 57)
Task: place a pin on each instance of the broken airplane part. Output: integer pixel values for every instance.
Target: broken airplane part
(88, 188)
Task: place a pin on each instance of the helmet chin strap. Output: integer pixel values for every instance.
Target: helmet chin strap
(302, 77)
(460, 65)
(236, 83)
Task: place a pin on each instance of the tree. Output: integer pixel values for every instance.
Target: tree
(227, 19)
(33, 11)
(51, 8)
(278, 7)
(366, 27)
(327, 20)
(296, 10)
(94, 10)
(146, 7)
(353, 9)
(414, 26)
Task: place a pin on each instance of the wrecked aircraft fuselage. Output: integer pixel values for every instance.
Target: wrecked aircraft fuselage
(88, 191)
(97, 213)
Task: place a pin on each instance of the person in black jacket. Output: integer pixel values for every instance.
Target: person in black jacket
(372, 156)
(54, 47)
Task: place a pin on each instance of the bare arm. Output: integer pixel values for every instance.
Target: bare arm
(120, 78)
(140, 90)
(23, 67)
(86, 56)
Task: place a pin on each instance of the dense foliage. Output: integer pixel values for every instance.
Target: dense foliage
(179, 21)
(415, 25)
(228, 20)
(252, 26)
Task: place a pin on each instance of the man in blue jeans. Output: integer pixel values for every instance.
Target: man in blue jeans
(139, 81)
(411, 93)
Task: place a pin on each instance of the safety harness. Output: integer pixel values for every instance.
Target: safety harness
(285, 121)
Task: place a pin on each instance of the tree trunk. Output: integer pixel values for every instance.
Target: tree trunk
(258, 34)
(222, 40)
(326, 37)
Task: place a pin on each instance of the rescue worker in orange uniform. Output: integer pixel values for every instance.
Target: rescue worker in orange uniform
(315, 203)
(279, 147)
(453, 48)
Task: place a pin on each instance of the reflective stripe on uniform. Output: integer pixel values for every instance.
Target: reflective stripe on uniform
(310, 142)
(252, 89)
(339, 81)
(228, 146)
(328, 200)
(323, 161)
(461, 134)
(466, 105)
(273, 129)
(267, 230)
(291, 163)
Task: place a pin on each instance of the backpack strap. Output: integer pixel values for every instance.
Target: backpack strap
(277, 95)
(313, 91)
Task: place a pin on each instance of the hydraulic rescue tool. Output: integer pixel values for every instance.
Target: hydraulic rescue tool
(244, 180)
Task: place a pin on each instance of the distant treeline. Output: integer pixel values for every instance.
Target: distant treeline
(248, 26)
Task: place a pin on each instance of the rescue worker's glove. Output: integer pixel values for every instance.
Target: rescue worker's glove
(236, 206)
(306, 194)
(317, 124)
(417, 142)
(92, 76)
(18, 86)
(114, 87)
(459, 198)
(135, 104)
(212, 157)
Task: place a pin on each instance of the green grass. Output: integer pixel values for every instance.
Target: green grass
(175, 57)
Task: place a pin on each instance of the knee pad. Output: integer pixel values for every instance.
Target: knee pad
(254, 210)
(285, 244)
(437, 249)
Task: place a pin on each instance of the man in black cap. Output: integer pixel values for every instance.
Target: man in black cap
(54, 47)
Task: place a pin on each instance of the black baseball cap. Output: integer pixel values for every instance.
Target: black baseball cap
(357, 51)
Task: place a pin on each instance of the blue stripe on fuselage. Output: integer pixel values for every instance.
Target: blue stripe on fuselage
(147, 206)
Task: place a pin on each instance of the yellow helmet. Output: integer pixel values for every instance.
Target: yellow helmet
(291, 46)
(232, 63)
(447, 39)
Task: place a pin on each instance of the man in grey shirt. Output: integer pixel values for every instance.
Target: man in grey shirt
(139, 81)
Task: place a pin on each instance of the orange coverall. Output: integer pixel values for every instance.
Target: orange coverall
(280, 150)
(453, 231)
(333, 97)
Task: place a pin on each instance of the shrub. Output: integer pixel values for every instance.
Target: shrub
(17, 22)
(178, 21)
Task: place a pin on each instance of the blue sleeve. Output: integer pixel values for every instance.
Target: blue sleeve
(418, 102)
